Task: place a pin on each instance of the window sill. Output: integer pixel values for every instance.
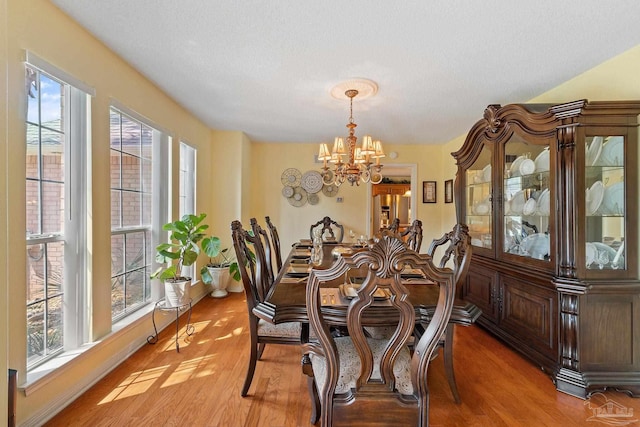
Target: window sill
(56, 367)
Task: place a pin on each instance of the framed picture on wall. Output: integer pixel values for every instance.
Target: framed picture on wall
(448, 191)
(428, 191)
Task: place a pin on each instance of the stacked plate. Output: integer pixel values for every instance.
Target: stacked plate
(530, 207)
(600, 255)
(593, 151)
(536, 245)
(591, 253)
(516, 204)
(594, 197)
(613, 152)
(544, 203)
(613, 200)
(515, 166)
(542, 161)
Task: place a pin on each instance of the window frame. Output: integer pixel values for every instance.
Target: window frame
(187, 191)
(74, 293)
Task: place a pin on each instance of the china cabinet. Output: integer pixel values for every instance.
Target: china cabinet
(550, 194)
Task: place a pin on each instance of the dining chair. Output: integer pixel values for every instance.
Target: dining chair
(256, 285)
(457, 249)
(413, 235)
(328, 227)
(275, 240)
(263, 239)
(365, 381)
(395, 225)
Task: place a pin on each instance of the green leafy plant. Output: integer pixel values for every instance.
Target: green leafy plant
(183, 249)
(218, 258)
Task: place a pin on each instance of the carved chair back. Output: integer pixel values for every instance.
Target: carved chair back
(394, 226)
(367, 381)
(251, 264)
(275, 240)
(413, 235)
(263, 239)
(458, 249)
(328, 227)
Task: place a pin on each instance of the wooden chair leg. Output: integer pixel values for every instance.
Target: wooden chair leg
(253, 357)
(315, 400)
(307, 370)
(261, 347)
(448, 362)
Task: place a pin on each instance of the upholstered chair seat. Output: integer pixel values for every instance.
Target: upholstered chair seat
(287, 329)
(350, 365)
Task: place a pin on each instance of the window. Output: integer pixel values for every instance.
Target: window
(56, 140)
(187, 179)
(131, 211)
(187, 189)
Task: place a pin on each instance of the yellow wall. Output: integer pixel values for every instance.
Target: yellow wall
(64, 44)
(4, 248)
(615, 79)
(270, 161)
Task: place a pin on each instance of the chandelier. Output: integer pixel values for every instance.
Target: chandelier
(351, 163)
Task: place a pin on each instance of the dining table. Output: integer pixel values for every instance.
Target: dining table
(286, 299)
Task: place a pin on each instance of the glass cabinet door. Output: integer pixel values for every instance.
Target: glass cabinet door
(604, 202)
(479, 206)
(526, 199)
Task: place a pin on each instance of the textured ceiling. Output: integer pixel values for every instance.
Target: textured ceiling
(267, 68)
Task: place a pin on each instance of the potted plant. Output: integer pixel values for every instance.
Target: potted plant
(183, 251)
(221, 267)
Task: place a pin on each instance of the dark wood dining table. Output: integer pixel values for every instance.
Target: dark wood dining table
(286, 300)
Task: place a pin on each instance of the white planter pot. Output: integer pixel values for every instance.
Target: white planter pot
(177, 293)
(220, 279)
(235, 286)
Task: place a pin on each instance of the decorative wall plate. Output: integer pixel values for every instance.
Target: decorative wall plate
(291, 177)
(287, 191)
(311, 181)
(330, 190)
(299, 197)
(313, 199)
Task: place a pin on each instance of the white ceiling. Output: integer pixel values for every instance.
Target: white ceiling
(267, 67)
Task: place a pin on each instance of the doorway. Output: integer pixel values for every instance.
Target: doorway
(397, 172)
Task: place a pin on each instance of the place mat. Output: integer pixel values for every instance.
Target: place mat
(298, 270)
(418, 281)
(411, 273)
(350, 291)
(301, 253)
(302, 280)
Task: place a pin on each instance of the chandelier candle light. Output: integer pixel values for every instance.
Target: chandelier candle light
(358, 167)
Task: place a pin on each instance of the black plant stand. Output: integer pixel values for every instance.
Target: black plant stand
(161, 306)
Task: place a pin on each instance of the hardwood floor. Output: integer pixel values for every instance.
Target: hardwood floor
(200, 386)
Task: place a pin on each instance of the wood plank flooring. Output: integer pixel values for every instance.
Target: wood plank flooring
(200, 386)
